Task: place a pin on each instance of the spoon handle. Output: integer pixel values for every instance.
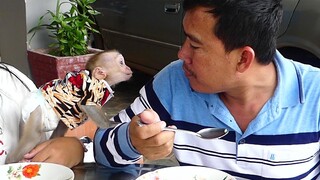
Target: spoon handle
(140, 123)
(181, 130)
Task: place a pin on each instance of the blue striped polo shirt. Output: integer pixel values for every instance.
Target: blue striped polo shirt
(282, 142)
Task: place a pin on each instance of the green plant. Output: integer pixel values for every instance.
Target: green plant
(69, 29)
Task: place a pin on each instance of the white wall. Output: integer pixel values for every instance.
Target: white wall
(33, 13)
(12, 30)
(16, 18)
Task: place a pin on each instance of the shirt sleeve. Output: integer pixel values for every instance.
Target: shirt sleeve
(112, 147)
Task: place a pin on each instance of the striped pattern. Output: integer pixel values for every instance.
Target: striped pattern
(282, 142)
(75, 89)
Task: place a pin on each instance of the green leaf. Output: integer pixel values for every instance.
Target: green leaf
(69, 29)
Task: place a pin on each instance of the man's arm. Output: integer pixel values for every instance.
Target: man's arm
(112, 146)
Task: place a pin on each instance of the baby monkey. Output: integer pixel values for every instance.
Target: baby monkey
(56, 105)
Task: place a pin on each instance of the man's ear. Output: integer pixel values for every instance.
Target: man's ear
(99, 73)
(246, 59)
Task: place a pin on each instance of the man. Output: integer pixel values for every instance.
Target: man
(14, 88)
(229, 76)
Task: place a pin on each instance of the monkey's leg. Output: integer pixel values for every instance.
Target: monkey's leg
(30, 138)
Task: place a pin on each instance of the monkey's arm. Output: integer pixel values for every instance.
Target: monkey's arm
(60, 130)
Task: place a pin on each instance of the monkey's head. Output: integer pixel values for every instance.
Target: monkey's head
(110, 66)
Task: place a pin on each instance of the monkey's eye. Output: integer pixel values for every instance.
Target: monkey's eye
(121, 62)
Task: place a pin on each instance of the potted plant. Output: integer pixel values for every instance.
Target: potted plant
(70, 50)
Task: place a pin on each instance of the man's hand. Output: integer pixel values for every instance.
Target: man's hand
(67, 151)
(149, 139)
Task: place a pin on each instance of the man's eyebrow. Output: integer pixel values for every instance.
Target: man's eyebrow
(193, 38)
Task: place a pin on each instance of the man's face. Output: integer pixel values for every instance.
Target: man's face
(206, 64)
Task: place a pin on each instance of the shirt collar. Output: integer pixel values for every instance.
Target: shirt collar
(109, 89)
(289, 89)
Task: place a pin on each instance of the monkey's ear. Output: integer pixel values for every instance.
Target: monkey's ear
(99, 73)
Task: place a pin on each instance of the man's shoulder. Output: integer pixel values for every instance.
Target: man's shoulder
(306, 72)
(293, 68)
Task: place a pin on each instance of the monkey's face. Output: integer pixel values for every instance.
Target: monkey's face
(117, 69)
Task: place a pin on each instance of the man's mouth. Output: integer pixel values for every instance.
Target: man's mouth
(186, 70)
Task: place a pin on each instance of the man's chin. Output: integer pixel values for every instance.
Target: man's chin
(197, 87)
(194, 86)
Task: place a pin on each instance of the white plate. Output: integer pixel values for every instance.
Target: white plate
(35, 171)
(186, 173)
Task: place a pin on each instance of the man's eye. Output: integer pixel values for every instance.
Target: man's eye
(193, 47)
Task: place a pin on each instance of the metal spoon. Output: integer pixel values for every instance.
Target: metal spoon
(206, 133)
(97, 116)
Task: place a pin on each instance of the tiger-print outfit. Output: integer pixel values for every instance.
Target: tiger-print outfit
(77, 88)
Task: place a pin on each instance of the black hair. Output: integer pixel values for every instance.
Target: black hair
(240, 23)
